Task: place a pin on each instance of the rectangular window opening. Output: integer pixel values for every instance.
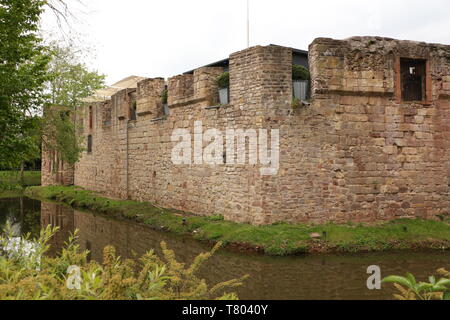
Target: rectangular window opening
(91, 122)
(89, 144)
(413, 79)
(133, 111)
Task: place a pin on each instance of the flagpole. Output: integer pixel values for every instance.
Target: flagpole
(248, 23)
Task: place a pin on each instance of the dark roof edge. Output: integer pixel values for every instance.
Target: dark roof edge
(294, 50)
(225, 62)
(220, 63)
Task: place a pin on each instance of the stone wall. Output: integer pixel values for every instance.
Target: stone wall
(383, 158)
(54, 170)
(356, 153)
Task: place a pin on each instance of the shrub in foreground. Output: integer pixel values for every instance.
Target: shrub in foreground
(26, 273)
(410, 289)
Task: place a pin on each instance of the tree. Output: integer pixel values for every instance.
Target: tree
(70, 83)
(23, 73)
(32, 76)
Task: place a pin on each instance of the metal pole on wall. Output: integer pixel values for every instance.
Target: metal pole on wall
(248, 23)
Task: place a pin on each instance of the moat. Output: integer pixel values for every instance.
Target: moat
(307, 277)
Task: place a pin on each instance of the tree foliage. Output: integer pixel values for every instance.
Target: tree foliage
(34, 75)
(23, 73)
(70, 83)
(59, 134)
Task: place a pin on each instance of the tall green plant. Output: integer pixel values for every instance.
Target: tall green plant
(223, 81)
(411, 289)
(300, 73)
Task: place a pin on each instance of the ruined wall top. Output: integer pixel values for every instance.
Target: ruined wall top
(373, 66)
(262, 75)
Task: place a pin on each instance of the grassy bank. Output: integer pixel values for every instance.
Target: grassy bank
(10, 185)
(277, 239)
(31, 178)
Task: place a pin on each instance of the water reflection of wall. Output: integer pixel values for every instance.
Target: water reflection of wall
(96, 232)
(58, 216)
(308, 277)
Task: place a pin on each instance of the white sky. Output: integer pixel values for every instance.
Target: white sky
(168, 37)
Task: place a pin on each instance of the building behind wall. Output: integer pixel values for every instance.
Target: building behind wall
(371, 146)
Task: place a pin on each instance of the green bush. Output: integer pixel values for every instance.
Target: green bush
(224, 80)
(300, 73)
(27, 273)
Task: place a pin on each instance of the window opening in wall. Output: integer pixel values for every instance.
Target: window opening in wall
(90, 118)
(89, 144)
(300, 82)
(413, 79)
(106, 113)
(133, 111)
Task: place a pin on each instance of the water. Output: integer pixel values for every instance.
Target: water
(308, 277)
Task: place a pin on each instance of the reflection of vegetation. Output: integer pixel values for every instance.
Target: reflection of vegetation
(23, 213)
(277, 239)
(12, 178)
(24, 277)
(31, 222)
(410, 289)
(10, 184)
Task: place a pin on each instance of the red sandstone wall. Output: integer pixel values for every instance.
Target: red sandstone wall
(368, 155)
(357, 153)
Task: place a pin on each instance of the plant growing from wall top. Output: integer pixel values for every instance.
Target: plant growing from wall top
(300, 72)
(301, 78)
(224, 80)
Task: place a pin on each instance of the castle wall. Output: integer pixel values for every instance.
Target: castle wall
(356, 153)
(359, 153)
(54, 171)
(382, 158)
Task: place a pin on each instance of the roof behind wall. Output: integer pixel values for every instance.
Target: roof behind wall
(107, 92)
(300, 57)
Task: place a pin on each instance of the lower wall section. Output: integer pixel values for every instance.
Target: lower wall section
(357, 153)
(342, 159)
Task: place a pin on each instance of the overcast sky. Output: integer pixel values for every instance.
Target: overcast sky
(168, 37)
